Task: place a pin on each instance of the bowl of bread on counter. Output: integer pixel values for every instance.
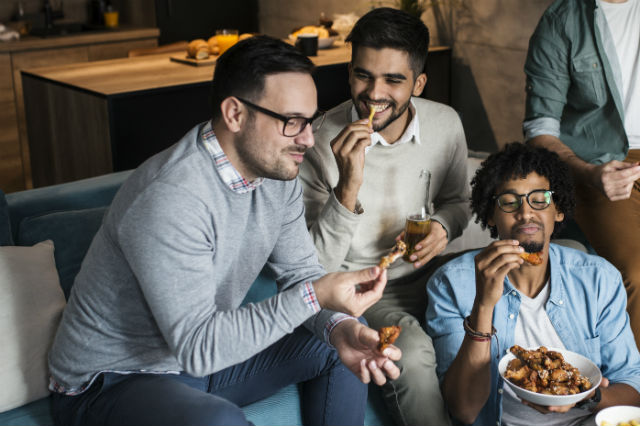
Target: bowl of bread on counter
(326, 36)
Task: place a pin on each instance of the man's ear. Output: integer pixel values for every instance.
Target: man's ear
(233, 114)
(419, 84)
(559, 216)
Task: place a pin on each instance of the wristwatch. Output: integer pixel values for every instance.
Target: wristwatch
(590, 403)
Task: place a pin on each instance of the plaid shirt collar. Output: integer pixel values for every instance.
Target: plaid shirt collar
(225, 169)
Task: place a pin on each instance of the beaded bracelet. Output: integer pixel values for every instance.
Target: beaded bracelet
(476, 335)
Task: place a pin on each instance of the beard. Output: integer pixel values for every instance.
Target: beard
(532, 246)
(261, 162)
(395, 111)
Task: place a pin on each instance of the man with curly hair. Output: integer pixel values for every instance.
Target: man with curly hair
(485, 301)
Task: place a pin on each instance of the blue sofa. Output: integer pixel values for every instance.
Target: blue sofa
(70, 214)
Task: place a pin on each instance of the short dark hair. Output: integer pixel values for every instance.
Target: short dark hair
(385, 27)
(517, 160)
(242, 69)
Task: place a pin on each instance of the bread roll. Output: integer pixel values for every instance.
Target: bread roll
(213, 45)
(198, 49)
(322, 32)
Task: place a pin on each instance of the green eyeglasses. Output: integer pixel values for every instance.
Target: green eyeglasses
(538, 199)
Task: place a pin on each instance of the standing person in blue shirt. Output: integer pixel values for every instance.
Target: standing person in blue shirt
(571, 300)
(155, 332)
(583, 102)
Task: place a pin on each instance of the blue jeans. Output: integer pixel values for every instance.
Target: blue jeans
(331, 394)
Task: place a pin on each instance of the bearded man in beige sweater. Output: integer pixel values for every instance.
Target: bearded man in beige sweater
(361, 178)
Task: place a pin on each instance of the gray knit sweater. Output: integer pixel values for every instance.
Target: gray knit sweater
(161, 286)
(349, 241)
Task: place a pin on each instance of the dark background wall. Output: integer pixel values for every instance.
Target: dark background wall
(489, 40)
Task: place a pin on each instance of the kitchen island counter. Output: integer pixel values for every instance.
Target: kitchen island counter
(94, 118)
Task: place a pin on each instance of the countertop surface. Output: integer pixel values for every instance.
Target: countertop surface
(89, 37)
(119, 76)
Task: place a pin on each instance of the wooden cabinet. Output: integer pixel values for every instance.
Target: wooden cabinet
(36, 58)
(11, 173)
(15, 163)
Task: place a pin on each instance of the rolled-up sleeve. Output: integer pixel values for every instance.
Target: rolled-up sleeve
(541, 126)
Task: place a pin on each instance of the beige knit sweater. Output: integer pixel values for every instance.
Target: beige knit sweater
(349, 241)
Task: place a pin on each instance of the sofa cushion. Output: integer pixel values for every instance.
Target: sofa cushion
(5, 227)
(71, 231)
(36, 413)
(31, 304)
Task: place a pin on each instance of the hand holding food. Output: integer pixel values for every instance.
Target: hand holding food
(357, 346)
(532, 258)
(350, 292)
(492, 265)
(388, 336)
(349, 151)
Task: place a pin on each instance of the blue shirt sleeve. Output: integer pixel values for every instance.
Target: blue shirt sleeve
(444, 320)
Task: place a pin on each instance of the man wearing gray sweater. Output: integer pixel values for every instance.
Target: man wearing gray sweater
(361, 179)
(154, 332)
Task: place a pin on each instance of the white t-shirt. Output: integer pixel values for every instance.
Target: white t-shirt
(624, 24)
(534, 329)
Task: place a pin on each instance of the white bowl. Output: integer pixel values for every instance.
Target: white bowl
(584, 365)
(323, 42)
(616, 414)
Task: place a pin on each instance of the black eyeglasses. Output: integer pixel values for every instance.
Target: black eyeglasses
(538, 199)
(293, 126)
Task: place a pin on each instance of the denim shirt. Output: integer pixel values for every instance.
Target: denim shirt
(586, 306)
(572, 85)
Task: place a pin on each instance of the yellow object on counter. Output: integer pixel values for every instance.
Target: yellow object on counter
(226, 39)
(320, 31)
(629, 423)
(111, 19)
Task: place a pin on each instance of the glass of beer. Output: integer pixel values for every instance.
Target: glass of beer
(418, 221)
(416, 228)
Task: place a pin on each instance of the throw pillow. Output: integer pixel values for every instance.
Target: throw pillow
(31, 304)
(71, 232)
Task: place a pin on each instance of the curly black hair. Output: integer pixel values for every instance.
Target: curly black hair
(518, 160)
